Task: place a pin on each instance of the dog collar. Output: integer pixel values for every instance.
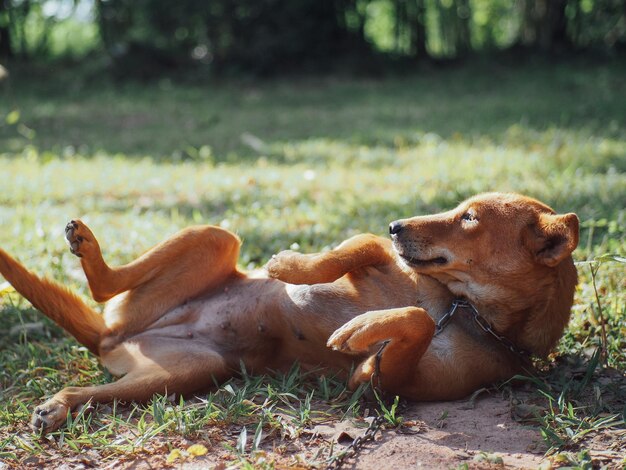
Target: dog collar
(483, 325)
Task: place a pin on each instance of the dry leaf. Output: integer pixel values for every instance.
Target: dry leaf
(344, 438)
(175, 454)
(197, 450)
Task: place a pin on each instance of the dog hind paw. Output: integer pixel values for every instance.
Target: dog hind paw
(363, 373)
(77, 235)
(49, 416)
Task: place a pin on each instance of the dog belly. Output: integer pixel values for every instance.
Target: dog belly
(266, 323)
(231, 321)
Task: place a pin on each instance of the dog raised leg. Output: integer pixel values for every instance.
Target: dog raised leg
(352, 254)
(408, 332)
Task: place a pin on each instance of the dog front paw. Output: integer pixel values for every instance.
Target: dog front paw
(355, 338)
(286, 266)
(351, 338)
(49, 416)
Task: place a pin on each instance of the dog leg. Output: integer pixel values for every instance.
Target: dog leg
(56, 302)
(210, 252)
(194, 261)
(161, 366)
(354, 253)
(409, 332)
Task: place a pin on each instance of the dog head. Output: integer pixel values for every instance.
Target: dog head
(505, 250)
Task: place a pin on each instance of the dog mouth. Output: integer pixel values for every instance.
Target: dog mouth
(417, 262)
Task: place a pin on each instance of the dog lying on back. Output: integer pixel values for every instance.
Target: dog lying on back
(454, 301)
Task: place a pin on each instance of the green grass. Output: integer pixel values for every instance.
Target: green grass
(303, 163)
(73, 112)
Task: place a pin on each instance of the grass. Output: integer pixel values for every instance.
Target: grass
(300, 163)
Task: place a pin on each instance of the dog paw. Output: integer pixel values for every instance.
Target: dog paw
(49, 416)
(78, 237)
(351, 338)
(284, 265)
(363, 373)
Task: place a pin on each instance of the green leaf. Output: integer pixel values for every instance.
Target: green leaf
(13, 117)
(606, 258)
(258, 436)
(611, 257)
(242, 440)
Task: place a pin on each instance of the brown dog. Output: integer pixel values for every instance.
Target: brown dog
(182, 316)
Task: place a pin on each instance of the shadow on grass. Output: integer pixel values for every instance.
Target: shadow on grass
(240, 121)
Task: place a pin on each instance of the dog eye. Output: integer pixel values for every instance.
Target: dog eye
(469, 217)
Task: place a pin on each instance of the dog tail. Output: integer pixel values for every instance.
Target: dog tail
(55, 301)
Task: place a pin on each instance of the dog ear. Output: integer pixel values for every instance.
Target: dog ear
(554, 237)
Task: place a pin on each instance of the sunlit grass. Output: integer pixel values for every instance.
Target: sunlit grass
(85, 112)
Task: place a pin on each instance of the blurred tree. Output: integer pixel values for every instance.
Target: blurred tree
(267, 36)
(26, 26)
(544, 25)
(13, 17)
(463, 18)
(410, 28)
(597, 23)
(256, 35)
(417, 15)
(6, 50)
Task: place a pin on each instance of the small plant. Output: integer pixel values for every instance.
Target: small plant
(441, 421)
(574, 461)
(488, 458)
(564, 425)
(389, 412)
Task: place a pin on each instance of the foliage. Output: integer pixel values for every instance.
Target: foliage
(146, 37)
(248, 34)
(45, 29)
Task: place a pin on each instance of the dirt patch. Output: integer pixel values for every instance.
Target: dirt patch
(449, 434)
(435, 435)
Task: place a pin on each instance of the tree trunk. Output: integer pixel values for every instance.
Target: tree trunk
(554, 31)
(6, 49)
(545, 25)
(102, 23)
(417, 27)
(463, 40)
(397, 28)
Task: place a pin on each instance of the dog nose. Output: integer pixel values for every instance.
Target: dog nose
(395, 227)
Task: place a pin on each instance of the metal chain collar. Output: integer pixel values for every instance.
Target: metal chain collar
(482, 323)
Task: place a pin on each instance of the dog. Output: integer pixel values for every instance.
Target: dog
(450, 303)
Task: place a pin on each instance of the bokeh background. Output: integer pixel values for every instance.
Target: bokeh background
(270, 35)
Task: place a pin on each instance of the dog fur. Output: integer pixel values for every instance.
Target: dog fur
(182, 316)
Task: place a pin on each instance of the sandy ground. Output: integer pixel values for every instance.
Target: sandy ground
(442, 435)
(449, 434)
